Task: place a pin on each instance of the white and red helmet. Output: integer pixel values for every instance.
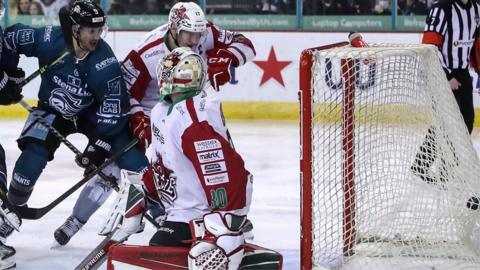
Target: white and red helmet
(180, 71)
(188, 17)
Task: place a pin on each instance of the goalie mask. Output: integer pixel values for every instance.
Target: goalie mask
(181, 71)
(187, 17)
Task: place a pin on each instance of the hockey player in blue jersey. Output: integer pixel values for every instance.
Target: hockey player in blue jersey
(10, 93)
(82, 93)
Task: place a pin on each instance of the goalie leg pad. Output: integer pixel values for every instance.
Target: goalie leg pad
(147, 257)
(256, 258)
(128, 208)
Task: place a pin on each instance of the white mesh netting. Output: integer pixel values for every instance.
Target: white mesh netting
(414, 164)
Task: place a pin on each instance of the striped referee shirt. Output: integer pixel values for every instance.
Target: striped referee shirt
(452, 26)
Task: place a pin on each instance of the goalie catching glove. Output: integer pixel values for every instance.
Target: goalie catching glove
(219, 61)
(222, 243)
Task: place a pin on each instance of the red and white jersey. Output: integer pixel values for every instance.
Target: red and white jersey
(139, 67)
(190, 138)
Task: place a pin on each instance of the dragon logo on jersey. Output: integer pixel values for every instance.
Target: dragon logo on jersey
(168, 188)
(67, 103)
(165, 181)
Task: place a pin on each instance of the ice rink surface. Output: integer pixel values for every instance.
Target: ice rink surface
(271, 153)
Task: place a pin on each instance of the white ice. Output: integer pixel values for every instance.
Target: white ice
(271, 153)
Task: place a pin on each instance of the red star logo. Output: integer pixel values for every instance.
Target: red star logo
(272, 68)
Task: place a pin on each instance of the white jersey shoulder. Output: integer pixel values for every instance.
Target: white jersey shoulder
(152, 48)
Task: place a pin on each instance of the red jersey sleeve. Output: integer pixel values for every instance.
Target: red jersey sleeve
(235, 42)
(135, 75)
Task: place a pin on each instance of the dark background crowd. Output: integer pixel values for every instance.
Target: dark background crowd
(288, 7)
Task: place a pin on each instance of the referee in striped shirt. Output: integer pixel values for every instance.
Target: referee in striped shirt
(452, 25)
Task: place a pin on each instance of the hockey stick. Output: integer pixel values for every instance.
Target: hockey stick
(37, 213)
(62, 139)
(106, 179)
(98, 255)
(67, 37)
(42, 69)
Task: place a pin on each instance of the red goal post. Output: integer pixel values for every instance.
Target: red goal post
(306, 64)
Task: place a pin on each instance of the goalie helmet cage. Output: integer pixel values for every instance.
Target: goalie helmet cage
(388, 168)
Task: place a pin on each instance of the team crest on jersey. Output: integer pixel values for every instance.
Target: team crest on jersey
(68, 104)
(129, 72)
(165, 181)
(167, 188)
(114, 86)
(25, 36)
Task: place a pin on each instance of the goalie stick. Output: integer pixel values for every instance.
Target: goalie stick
(128, 199)
(98, 255)
(36, 213)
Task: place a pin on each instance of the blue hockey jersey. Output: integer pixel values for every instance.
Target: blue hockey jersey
(90, 87)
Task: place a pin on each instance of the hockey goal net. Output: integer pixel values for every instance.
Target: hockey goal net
(388, 171)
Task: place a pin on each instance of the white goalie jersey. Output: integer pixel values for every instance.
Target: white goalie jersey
(201, 170)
